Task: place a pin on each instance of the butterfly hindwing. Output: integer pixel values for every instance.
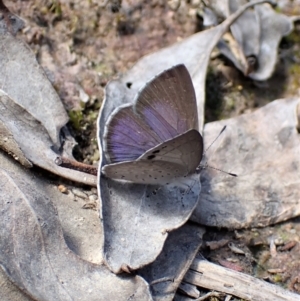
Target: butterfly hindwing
(174, 158)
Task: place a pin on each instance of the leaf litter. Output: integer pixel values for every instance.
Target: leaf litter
(200, 93)
(34, 252)
(114, 197)
(253, 52)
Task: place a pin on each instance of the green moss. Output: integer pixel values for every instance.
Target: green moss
(103, 68)
(76, 118)
(295, 69)
(278, 9)
(55, 7)
(92, 116)
(294, 79)
(277, 278)
(293, 37)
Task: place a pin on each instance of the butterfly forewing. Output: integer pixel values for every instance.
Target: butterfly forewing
(168, 103)
(127, 136)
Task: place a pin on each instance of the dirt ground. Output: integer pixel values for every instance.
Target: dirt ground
(84, 43)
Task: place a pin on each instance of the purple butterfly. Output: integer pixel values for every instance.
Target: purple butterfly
(156, 140)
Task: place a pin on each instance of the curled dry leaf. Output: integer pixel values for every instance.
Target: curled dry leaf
(274, 27)
(262, 148)
(36, 258)
(25, 81)
(136, 217)
(256, 50)
(32, 113)
(27, 139)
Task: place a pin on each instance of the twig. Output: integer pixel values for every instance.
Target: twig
(210, 294)
(211, 276)
(73, 164)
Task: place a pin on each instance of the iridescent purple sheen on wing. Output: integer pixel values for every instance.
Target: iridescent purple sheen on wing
(165, 108)
(168, 103)
(127, 136)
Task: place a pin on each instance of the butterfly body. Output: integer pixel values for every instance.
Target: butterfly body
(156, 140)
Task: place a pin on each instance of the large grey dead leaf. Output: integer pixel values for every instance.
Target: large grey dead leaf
(166, 273)
(136, 217)
(25, 81)
(81, 228)
(262, 148)
(9, 291)
(34, 255)
(29, 142)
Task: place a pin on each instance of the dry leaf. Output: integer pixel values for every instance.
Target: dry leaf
(27, 139)
(166, 273)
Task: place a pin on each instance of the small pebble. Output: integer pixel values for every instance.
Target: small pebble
(63, 189)
(79, 193)
(235, 249)
(93, 197)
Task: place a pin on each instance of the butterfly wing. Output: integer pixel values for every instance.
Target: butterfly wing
(164, 108)
(168, 103)
(127, 136)
(174, 158)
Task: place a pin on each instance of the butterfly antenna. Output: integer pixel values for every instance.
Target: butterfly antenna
(206, 165)
(226, 172)
(223, 129)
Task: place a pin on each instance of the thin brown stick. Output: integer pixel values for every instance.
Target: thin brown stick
(73, 164)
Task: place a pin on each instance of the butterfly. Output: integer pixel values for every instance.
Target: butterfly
(155, 140)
